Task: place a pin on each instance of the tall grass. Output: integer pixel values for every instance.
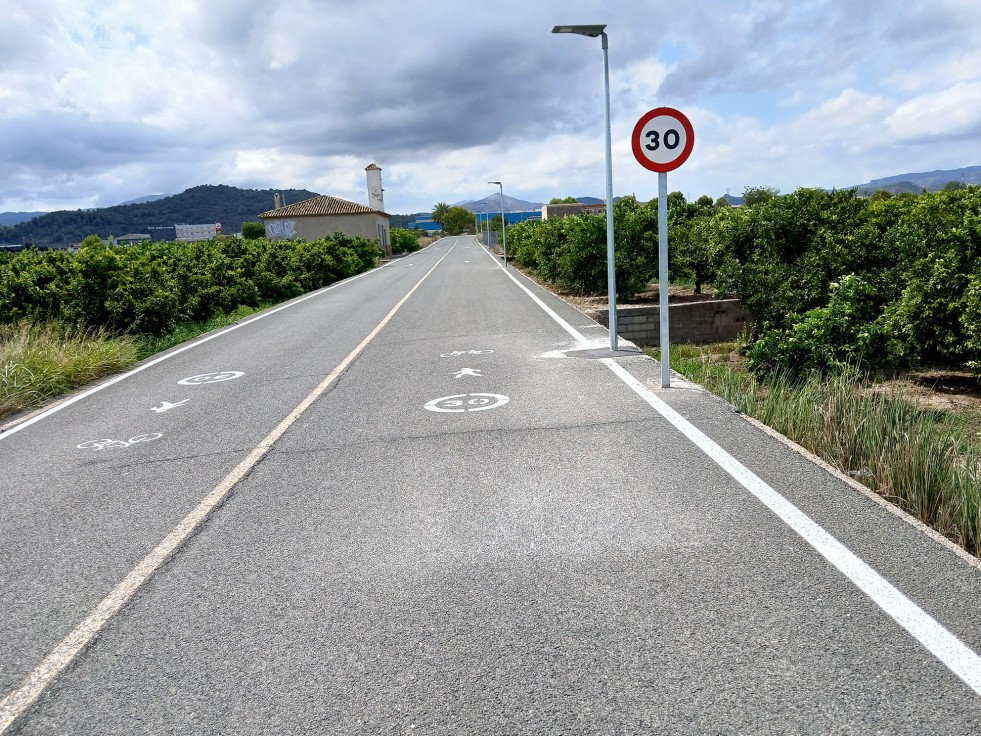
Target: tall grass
(40, 361)
(926, 461)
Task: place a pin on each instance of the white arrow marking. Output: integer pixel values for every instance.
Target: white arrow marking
(468, 372)
(165, 405)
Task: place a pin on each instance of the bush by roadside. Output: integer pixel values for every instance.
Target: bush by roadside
(147, 289)
(830, 278)
(404, 240)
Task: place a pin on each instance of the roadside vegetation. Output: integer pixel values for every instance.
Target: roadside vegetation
(926, 461)
(69, 318)
(831, 279)
(41, 361)
(404, 240)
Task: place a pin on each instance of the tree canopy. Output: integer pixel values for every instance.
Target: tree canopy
(439, 211)
(458, 220)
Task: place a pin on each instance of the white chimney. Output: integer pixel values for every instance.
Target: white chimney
(277, 201)
(376, 197)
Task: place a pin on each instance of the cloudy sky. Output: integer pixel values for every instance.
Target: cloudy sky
(104, 101)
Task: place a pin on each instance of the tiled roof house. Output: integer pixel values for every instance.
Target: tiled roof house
(321, 217)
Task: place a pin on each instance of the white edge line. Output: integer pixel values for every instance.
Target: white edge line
(579, 337)
(15, 704)
(945, 646)
(177, 351)
(940, 642)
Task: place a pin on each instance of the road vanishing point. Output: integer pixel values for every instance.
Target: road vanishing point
(428, 500)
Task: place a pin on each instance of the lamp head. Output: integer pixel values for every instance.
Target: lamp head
(591, 31)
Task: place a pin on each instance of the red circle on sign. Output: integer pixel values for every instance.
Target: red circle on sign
(639, 145)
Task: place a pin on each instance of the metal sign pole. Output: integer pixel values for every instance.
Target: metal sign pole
(662, 275)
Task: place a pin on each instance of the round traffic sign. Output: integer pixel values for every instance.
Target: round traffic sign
(662, 139)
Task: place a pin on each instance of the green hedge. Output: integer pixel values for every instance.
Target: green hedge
(149, 288)
(831, 279)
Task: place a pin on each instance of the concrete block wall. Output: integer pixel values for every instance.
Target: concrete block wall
(715, 320)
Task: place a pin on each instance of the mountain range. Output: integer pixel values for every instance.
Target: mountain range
(512, 204)
(12, 218)
(932, 181)
(493, 202)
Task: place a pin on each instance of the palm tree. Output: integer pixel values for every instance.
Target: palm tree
(439, 211)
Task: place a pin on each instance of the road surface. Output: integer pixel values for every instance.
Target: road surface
(430, 500)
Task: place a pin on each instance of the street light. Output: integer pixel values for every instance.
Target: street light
(504, 237)
(611, 271)
(481, 228)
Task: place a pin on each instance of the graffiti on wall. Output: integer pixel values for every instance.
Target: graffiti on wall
(281, 229)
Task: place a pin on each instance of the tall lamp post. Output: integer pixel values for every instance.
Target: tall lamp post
(611, 271)
(504, 224)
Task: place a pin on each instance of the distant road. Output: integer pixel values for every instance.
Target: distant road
(429, 500)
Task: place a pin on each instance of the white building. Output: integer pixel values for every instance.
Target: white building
(189, 233)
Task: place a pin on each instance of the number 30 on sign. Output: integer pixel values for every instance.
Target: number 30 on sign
(662, 139)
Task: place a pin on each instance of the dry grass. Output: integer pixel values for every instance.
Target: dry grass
(41, 361)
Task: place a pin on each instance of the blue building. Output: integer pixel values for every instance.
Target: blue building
(513, 218)
(425, 222)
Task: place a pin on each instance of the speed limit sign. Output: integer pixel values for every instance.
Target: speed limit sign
(662, 139)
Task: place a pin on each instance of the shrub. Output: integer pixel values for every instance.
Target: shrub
(841, 337)
(253, 230)
(403, 241)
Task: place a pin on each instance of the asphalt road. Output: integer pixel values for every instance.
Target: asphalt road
(429, 500)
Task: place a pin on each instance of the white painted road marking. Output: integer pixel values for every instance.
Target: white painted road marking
(216, 377)
(107, 444)
(467, 402)
(468, 372)
(20, 699)
(166, 406)
(951, 651)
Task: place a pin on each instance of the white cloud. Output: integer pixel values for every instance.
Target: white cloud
(952, 113)
(102, 102)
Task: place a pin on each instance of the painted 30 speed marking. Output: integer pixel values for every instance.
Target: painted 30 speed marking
(467, 402)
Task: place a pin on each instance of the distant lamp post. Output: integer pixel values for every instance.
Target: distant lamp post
(611, 270)
(480, 230)
(504, 237)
